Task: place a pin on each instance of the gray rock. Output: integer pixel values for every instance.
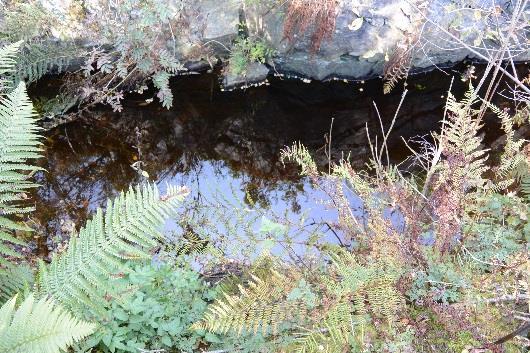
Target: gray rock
(352, 52)
(255, 72)
(219, 19)
(361, 53)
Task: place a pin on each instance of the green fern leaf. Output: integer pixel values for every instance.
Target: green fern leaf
(7, 64)
(19, 142)
(15, 279)
(126, 231)
(37, 60)
(39, 327)
(332, 335)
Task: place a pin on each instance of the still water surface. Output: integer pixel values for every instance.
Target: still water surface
(225, 147)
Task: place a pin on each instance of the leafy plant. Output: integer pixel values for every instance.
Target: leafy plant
(155, 311)
(316, 17)
(36, 28)
(461, 142)
(454, 244)
(258, 308)
(144, 48)
(496, 230)
(276, 303)
(15, 278)
(36, 326)
(246, 51)
(25, 21)
(8, 54)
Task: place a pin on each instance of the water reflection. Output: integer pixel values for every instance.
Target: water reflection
(223, 143)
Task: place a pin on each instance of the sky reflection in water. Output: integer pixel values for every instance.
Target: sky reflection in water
(220, 143)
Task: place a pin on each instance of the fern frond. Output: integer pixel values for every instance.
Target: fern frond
(352, 275)
(260, 307)
(15, 279)
(521, 171)
(398, 65)
(384, 299)
(39, 327)
(393, 75)
(360, 292)
(127, 230)
(356, 180)
(512, 155)
(19, 142)
(31, 23)
(461, 142)
(513, 162)
(525, 187)
(371, 288)
(318, 17)
(37, 60)
(332, 335)
(299, 154)
(8, 54)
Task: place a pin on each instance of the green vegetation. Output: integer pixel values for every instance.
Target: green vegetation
(80, 278)
(157, 313)
(139, 29)
(35, 326)
(246, 51)
(39, 326)
(19, 142)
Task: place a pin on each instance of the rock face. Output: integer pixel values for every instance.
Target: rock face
(367, 34)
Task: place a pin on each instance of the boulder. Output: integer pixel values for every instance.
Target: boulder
(254, 73)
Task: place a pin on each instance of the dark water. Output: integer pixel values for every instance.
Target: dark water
(226, 145)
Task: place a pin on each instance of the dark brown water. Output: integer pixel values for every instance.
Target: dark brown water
(227, 142)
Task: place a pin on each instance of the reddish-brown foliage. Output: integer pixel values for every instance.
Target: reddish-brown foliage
(318, 15)
(447, 204)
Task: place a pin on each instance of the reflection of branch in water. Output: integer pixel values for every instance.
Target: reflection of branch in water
(231, 225)
(332, 230)
(68, 140)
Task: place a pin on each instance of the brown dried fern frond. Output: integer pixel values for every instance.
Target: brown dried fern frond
(320, 15)
(398, 65)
